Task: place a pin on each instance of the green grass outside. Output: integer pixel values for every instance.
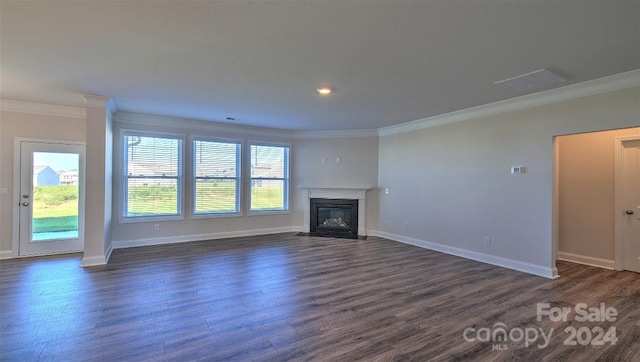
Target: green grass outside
(55, 208)
(212, 197)
(267, 198)
(215, 197)
(51, 224)
(67, 208)
(152, 200)
(55, 195)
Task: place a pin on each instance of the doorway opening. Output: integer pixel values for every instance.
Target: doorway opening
(588, 211)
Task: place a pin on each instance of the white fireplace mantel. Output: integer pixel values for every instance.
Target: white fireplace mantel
(359, 194)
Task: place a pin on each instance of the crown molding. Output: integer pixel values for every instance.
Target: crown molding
(94, 100)
(584, 89)
(183, 123)
(42, 109)
(98, 101)
(171, 122)
(347, 133)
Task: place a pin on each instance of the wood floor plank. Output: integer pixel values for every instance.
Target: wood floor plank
(287, 297)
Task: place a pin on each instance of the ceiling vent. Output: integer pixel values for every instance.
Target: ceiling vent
(532, 81)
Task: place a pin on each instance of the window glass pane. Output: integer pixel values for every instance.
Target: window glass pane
(215, 196)
(151, 156)
(267, 195)
(152, 197)
(153, 172)
(55, 195)
(267, 161)
(269, 177)
(216, 177)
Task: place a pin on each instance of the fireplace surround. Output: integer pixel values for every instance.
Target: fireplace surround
(355, 194)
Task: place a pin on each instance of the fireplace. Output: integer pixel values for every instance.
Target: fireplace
(334, 217)
(355, 195)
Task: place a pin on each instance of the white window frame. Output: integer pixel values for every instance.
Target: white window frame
(239, 179)
(124, 177)
(286, 179)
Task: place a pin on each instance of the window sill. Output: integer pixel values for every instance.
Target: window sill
(133, 220)
(268, 212)
(215, 215)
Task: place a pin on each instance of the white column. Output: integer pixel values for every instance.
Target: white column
(362, 231)
(99, 161)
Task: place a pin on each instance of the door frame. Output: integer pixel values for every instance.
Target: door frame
(619, 198)
(17, 141)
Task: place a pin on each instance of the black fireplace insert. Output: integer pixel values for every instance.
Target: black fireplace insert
(334, 218)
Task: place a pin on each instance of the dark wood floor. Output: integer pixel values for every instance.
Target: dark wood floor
(286, 297)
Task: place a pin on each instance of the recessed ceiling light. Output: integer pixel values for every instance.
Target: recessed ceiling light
(324, 90)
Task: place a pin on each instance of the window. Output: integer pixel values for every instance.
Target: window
(269, 178)
(216, 177)
(152, 176)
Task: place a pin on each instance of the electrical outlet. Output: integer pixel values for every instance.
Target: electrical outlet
(487, 240)
(156, 227)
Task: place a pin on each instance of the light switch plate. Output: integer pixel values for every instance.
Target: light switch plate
(3, 191)
(517, 170)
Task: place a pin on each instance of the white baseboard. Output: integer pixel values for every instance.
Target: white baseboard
(197, 237)
(586, 260)
(8, 254)
(94, 260)
(97, 260)
(538, 270)
(107, 254)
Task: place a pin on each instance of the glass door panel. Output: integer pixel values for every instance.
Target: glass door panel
(55, 196)
(51, 201)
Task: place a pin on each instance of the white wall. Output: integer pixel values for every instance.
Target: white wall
(26, 125)
(358, 168)
(450, 184)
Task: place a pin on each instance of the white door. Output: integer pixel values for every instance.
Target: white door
(51, 199)
(631, 204)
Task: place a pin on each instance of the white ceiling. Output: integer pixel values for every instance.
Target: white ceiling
(389, 62)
